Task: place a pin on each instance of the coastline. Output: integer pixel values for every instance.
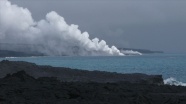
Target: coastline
(73, 75)
(31, 83)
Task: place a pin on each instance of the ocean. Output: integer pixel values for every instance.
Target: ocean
(171, 66)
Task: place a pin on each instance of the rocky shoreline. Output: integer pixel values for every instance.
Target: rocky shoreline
(28, 83)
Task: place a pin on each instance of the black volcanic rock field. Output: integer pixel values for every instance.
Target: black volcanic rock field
(28, 83)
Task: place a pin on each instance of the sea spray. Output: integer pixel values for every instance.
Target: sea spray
(173, 81)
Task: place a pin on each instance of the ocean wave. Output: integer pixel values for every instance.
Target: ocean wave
(173, 81)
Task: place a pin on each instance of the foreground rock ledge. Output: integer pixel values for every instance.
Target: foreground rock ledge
(73, 75)
(85, 87)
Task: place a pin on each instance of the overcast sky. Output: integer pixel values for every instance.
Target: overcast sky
(145, 24)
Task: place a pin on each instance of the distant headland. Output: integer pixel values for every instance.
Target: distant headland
(17, 53)
(8, 53)
(143, 51)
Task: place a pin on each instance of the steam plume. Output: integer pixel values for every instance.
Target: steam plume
(51, 36)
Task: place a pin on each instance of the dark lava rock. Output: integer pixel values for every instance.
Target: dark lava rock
(69, 75)
(21, 88)
(19, 76)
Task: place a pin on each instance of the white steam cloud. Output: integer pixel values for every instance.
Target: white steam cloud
(130, 52)
(50, 36)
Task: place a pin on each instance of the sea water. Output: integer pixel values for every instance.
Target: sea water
(171, 66)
